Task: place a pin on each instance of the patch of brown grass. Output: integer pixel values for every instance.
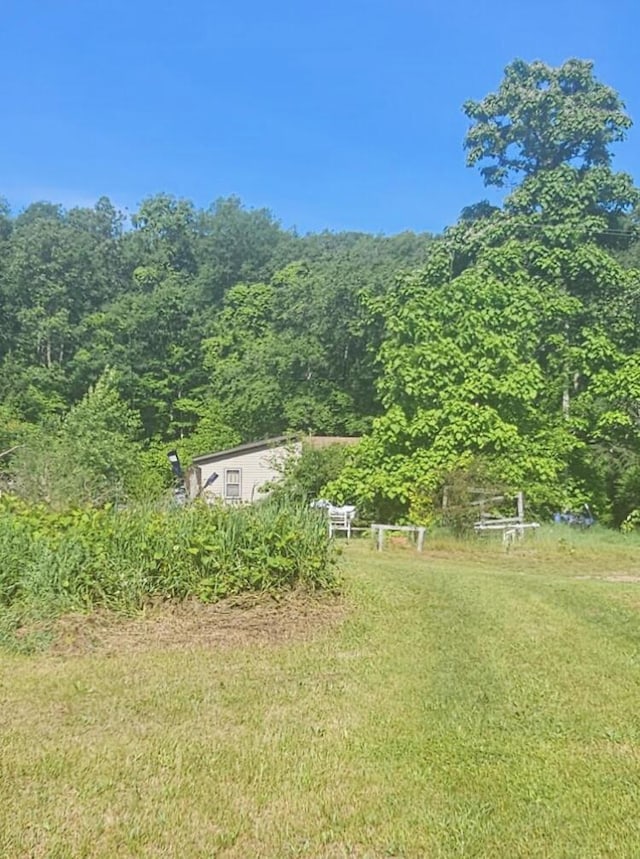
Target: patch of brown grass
(255, 620)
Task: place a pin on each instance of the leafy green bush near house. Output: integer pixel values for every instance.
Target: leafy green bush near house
(304, 477)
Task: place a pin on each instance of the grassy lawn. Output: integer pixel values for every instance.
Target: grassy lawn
(470, 703)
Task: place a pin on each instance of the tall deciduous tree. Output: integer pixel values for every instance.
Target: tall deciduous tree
(542, 117)
(505, 346)
(165, 233)
(237, 245)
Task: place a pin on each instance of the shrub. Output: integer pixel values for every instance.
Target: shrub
(90, 456)
(305, 476)
(460, 495)
(90, 557)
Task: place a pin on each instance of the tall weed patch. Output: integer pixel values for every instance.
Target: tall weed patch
(120, 559)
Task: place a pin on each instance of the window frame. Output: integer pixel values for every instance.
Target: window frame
(234, 470)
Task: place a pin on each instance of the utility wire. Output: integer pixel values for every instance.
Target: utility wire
(607, 231)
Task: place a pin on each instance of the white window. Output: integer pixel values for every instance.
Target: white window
(233, 483)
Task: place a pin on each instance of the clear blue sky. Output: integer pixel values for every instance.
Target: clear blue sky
(340, 114)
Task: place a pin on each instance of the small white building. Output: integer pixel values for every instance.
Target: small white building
(242, 474)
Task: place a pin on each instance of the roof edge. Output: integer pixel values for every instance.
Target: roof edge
(263, 444)
(315, 441)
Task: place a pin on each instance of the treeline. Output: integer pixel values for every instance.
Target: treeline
(507, 348)
(219, 312)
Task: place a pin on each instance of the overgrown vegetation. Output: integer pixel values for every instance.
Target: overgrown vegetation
(88, 457)
(120, 559)
(304, 477)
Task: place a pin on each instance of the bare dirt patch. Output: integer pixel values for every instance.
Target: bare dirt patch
(622, 578)
(250, 620)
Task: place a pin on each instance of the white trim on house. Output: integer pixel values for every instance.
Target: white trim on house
(233, 484)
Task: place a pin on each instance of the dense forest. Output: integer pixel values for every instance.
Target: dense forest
(507, 347)
(211, 327)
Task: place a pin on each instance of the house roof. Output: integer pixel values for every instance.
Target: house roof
(316, 441)
(263, 444)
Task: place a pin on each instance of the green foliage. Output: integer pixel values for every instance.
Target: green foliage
(152, 338)
(236, 245)
(461, 497)
(542, 117)
(292, 354)
(166, 229)
(304, 477)
(632, 522)
(501, 363)
(12, 431)
(512, 338)
(79, 294)
(90, 456)
(120, 558)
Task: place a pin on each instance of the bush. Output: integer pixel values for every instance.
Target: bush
(119, 559)
(304, 477)
(88, 457)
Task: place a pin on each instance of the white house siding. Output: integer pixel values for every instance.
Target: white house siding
(256, 467)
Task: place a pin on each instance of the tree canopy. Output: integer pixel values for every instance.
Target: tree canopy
(542, 117)
(503, 348)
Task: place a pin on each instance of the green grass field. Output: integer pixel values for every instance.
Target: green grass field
(466, 703)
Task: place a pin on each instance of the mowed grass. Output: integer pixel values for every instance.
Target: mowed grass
(472, 704)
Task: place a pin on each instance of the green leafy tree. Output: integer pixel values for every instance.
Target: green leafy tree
(305, 477)
(89, 457)
(55, 269)
(237, 245)
(291, 355)
(542, 117)
(463, 377)
(153, 340)
(497, 350)
(165, 234)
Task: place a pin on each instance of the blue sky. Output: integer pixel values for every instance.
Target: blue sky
(336, 115)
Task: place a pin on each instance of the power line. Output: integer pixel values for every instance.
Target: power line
(601, 232)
